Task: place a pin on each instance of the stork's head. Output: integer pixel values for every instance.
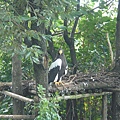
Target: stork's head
(60, 51)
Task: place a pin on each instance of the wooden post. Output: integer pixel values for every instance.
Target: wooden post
(104, 107)
(16, 84)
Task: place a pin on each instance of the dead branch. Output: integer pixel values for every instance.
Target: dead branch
(110, 48)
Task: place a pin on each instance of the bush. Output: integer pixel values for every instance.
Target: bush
(47, 108)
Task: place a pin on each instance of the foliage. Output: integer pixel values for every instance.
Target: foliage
(5, 67)
(92, 46)
(90, 36)
(28, 109)
(47, 109)
(86, 108)
(6, 106)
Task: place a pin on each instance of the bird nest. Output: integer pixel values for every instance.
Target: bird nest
(84, 83)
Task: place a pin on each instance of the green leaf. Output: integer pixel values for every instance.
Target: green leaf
(47, 37)
(36, 60)
(28, 55)
(26, 18)
(47, 108)
(62, 27)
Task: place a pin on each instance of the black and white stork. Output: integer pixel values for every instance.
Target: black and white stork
(58, 68)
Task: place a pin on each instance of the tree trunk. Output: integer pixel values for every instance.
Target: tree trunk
(73, 57)
(19, 6)
(40, 70)
(68, 110)
(116, 95)
(117, 60)
(71, 111)
(51, 49)
(70, 42)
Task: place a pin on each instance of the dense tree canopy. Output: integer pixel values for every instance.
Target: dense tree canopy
(89, 23)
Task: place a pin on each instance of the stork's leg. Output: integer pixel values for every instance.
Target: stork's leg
(59, 83)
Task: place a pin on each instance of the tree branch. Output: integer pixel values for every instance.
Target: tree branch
(76, 21)
(65, 35)
(98, 7)
(65, 31)
(110, 49)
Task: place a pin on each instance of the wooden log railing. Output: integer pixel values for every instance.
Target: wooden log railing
(16, 96)
(31, 117)
(75, 87)
(80, 85)
(20, 117)
(66, 97)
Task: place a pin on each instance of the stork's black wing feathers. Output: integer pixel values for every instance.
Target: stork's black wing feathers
(52, 74)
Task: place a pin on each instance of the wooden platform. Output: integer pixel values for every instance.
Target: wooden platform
(73, 84)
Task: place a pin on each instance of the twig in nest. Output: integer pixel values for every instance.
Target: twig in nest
(70, 77)
(71, 80)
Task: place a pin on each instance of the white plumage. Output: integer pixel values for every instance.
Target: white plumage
(56, 63)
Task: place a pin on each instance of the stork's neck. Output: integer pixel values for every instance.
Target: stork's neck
(59, 56)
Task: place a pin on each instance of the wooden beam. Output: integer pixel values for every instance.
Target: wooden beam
(5, 84)
(112, 89)
(82, 95)
(104, 107)
(30, 117)
(16, 96)
(73, 87)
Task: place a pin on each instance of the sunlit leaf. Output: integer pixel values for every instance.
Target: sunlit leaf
(36, 60)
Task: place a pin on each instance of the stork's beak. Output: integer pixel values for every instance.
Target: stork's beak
(60, 52)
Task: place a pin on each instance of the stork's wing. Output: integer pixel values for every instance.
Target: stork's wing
(56, 63)
(53, 74)
(54, 70)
